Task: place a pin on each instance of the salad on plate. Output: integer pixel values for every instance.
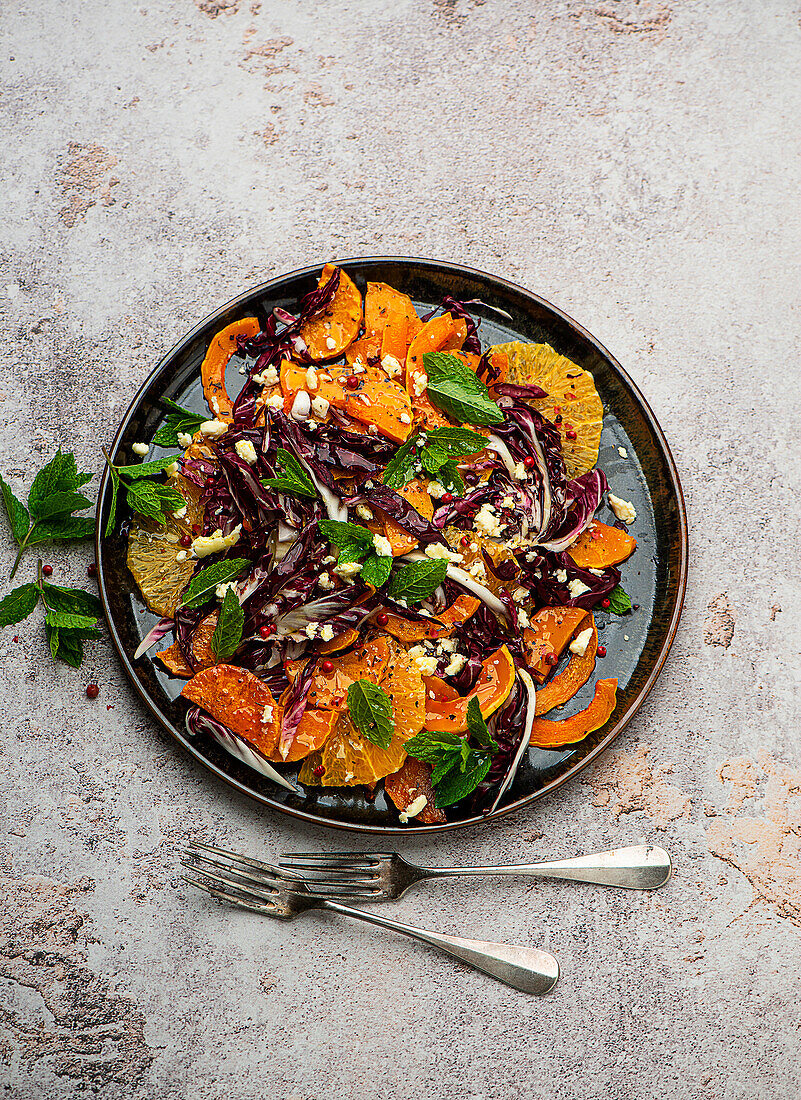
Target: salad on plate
(380, 559)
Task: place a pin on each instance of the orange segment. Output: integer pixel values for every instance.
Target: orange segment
(329, 690)
(315, 727)
(212, 371)
(408, 783)
(327, 334)
(241, 701)
(600, 546)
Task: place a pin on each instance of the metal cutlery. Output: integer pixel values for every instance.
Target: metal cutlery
(380, 876)
(272, 892)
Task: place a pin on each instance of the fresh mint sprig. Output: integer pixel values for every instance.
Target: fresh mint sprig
(71, 615)
(355, 544)
(458, 763)
(418, 581)
(619, 601)
(433, 452)
(53, 500)
(456, 389)
(152, 499)
(371, 712)
(291, 478)
(228, 631)
(179, 421)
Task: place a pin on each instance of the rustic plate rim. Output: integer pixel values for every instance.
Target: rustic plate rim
(574, 769)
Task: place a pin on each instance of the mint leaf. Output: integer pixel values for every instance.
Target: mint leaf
(68, 528)
(70, 620)
(619, 601)
(59, 475)
(144, 469)
(228, 631)
(153, 499)
(18, 604)
(458, 785)
(454, 388)
(371, 712)
(399, 467)
(51, 633)
(417, 581)
(291, 478)
(432, 458)
(58, 503)
(477, 727)
(457, 442)
(69, 647)
(343, 534)
(202, 586)
(16, 511)
(448, 476)
(175, 425)
(429, 747)
(448, 762)
(376, 570)
(168, 403)
(71, 599)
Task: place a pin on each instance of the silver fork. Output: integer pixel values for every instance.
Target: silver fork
(251, 884)
(379, 876)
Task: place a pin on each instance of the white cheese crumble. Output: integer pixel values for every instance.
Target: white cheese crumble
(435, 490)
(140, 449)
(301, 406)
(520, 471)
(478, 570)
(520, 594)
(577, 587)
(405, 418)
(561, 576)
(312, 629)
(348, 569)
(181, 555)
(275, 402)
(268, 377)
(213, 428)
(221, 589)
(522, 619)
(580, 642)
(382, 546)
(330, 343)
(596, 572)
(320, 407)
(180, 513)
(486, 521)
(267, 714)
(413, 809)
(623, 452)
(327, 633)
(391, 365)
(419, 384)
(426, 665)
(437, 550)
(173, 469)
(363, 512)
(216, 543)
(329, 560)
(447, 645)
(184, 439)
(311, 378)
(623, 509)
(245, 449)
(325, 582)
(455, 665)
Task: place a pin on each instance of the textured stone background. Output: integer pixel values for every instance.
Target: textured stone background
(636, 162)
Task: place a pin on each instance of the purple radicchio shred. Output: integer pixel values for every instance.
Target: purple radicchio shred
(521, 391)
(486, 369)
(452, 305)
(186, 622)
(293, 622)
(272, 344)
(404, 514)
(295, 702)
(509, 728)
(584, 496)
(479, 636)
(549, 592)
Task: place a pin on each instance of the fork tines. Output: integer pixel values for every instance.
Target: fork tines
(340, 874)
(235, 878)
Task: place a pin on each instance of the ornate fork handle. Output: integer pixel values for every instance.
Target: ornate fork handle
(523, 968)
(639, 867)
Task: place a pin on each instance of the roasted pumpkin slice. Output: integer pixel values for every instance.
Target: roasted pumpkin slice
(330, 331)
(212, 370)
(601, 546)
(545, 640)
(546, 734)
(381, 302)
(406, 785)
(581, 666)
(241, 701)
(435, 335)
(495, 681)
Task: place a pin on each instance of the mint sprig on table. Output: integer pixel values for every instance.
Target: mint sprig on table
(151, 499)
(371, 712)
(291, 478)
(456, 389)
(355, 544)
(459, 763)
(433, 451)
(70, 615)
(53, 500)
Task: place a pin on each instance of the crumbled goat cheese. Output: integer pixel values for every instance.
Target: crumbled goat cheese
(577, 587)
(596, 572)
(478, 570)
(391, 365)
(520, 472)
(520, 594)
(405, 418)
(330, 343)
(580, 642)
(426, 666)
(522, 619)
(221, 589)
(184, 439)
(312, 630)
(358, 367)
(181, 555)
(435, 490)
(623, 452)
(325, 582)
(311, 378)
(561, 576)
(623, 509)
(419, 384)
(413, 809)
(416, 651)
(455, 665)
(437, 550)
(267, 714)
(216, 543)
(327, 633)
(348, 569)
(214, 428)
(486, 521)
(245, 449)
(140, 449)
(180, 513)
(447, 645)
(268, 377)
(173, 469)
(275, 402)
(363, 512)
(382, 546)
(329, 560)
(320, 407)
(301, 406)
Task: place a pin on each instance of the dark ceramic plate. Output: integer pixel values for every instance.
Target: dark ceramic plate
(655, 577)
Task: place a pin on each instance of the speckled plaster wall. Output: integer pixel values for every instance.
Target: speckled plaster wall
(635, 161)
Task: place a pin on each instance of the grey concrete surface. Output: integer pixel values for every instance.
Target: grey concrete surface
(635, 161)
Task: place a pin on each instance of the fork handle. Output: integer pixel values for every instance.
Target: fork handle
(638, 867)
(523, 968)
